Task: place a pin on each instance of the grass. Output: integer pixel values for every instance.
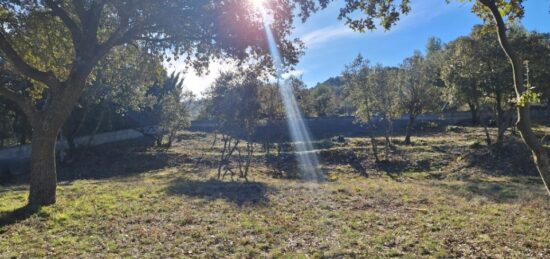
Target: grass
(177, 209)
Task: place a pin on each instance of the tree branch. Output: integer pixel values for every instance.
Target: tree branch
(23, 103)
(121, 35)
(92, 19)
(76, 31)
(154, 40)
(27, 70)
(80, 9)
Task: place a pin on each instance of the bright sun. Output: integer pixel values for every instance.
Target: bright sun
(258, 3)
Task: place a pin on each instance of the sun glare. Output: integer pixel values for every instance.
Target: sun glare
(259, 4)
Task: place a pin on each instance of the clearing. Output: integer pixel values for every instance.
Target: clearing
(445, 196)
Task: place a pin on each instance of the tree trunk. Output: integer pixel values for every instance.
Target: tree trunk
(473, 111)
(387, 139)
(46, 125)
(410, 125)
(23, 138)
(43, 181)
(487, 134)
(501, 123)
(540, 153)
(374, 147)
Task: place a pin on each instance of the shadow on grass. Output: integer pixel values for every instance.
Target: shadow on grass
(8, 188)
(236, 192)
(511, 159)
(399, 166)
(115, 160)
(498, 192)
(12, 217)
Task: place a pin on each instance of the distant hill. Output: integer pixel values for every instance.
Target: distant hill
(336, 84)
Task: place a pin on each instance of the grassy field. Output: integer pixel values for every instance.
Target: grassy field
(445, 196)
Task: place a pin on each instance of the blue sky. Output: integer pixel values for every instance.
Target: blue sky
(330, 45)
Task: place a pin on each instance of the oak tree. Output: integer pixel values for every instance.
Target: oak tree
(363, 14)
(57, 45)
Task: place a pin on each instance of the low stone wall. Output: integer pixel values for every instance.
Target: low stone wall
(24, 151)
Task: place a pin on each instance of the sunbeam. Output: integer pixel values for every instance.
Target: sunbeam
(307, 158)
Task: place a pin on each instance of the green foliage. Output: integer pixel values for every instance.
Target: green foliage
(363, 15)
(477, 72)
(14, 126)
(271, 105)
(460, 72)
(371, 14)
(418, 93)
(390, 92)
(234, 101)
(357, 90)
(324, 100)
(529, 97)
(304, 98)
(170, 113)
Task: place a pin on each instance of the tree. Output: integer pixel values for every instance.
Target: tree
(234, 105)
(271, 110)
(361, 93)
(323, 100)
(303, 96)
(476, 72)
(384, 96)
(14, 126)
(170, 113)
(417, 93)
(118, 90)
(541, 154)
(534, 50)
(494, 79)
(460, 74)
(493, 12)
(57, 44)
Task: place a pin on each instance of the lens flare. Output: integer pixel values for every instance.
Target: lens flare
(259, 4)
(307, 158)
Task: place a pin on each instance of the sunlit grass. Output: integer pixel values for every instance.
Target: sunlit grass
(179, 211)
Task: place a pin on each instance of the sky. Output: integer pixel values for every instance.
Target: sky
(330, 45)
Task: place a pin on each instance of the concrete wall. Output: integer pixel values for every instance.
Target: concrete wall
(326, 127)
(24, 152)
(319, 127)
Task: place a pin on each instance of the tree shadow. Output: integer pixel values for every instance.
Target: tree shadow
(399, 166)
(240, 193)
(494, 191)
(4, 189)
(12, 217)
(99, 167)
(123, 159)
(512, 158)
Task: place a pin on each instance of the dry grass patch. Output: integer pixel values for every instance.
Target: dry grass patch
(177, 209)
